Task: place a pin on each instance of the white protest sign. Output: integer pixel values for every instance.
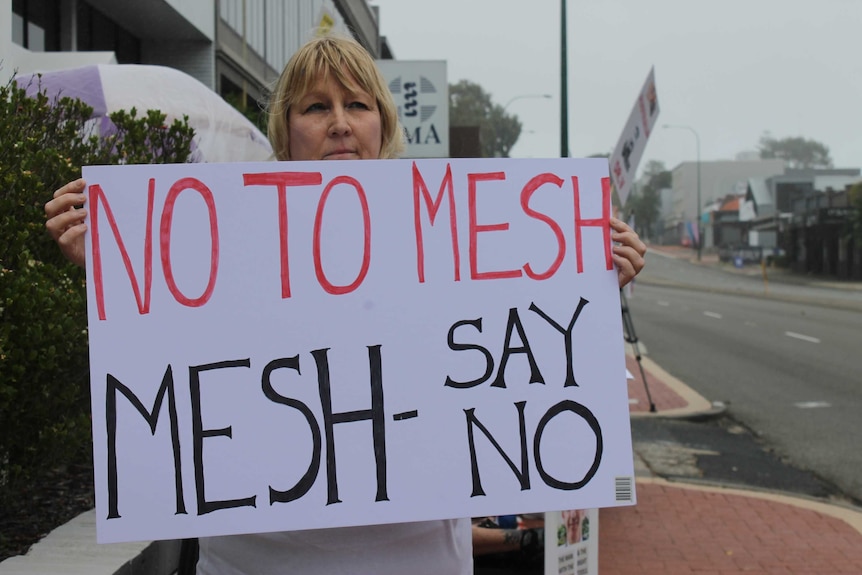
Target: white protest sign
(279, 346)
(630, 147)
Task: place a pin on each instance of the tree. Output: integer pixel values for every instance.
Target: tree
(645, 201)
(799, 153)
(253, 111)
(470, 105)
(44, 392)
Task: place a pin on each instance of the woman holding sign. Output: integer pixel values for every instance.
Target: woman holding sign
(330, 103)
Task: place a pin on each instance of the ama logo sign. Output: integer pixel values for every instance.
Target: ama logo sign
(411, 107)
(421, 95)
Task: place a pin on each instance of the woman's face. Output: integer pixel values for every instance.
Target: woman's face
(332, 122)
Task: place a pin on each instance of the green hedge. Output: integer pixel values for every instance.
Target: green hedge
(44, 382)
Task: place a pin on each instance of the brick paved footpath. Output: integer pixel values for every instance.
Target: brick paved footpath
(678, 528)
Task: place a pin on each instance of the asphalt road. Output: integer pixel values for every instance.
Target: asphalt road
(791, 372)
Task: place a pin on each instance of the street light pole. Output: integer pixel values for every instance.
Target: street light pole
(697, 144)
(521, 97)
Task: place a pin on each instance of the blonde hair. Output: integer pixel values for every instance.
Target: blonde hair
(351, 65)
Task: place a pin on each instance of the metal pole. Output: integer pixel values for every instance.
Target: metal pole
(699, 207)
(564, 88)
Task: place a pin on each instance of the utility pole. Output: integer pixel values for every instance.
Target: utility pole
(699, 207)
(564, 86)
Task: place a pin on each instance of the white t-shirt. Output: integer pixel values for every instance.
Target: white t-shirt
(439, 547)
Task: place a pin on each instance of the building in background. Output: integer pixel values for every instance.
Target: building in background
(821, 237)
(235, 47)
(725, 228)
(804, 216)
(718, 179)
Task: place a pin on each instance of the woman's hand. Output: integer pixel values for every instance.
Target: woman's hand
(66, 221)
(628, 252)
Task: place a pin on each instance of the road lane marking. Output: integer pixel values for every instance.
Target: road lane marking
(802, 336)
(712, 314)
(812, 404)
(663, 303)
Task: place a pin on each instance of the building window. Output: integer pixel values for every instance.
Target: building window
(36, 25)
(96, 32)
(17, 28)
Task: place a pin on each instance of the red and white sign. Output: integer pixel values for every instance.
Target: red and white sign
(630, 147)
(295, 345)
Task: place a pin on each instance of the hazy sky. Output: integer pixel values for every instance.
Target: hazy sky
(730, 69)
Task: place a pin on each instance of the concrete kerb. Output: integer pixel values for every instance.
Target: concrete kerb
(71, 549)
(697, 407)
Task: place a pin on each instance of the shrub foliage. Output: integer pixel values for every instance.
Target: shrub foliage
(44, 387)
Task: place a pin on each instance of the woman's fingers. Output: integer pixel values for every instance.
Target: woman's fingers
(65, 223)
(629, 252)
(626, 268)
(63, 196)
(63, 220)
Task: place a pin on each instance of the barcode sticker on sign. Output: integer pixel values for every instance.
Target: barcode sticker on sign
(623, 488)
